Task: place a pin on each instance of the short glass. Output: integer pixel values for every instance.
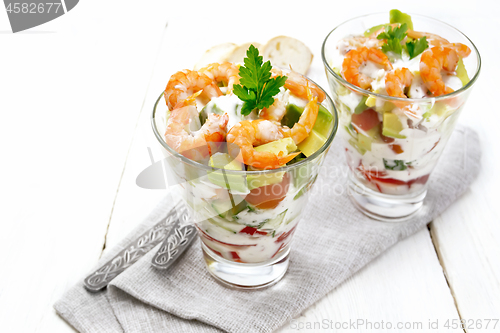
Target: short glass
(246, 227)
(389, 175)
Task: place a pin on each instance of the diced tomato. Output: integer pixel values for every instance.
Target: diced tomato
(207, 236)
(236, 257)
(366, 120)
(252, 231)
(279, 249)
(285, 235)
(269, 196)
(396, 148)
(377, 176)
(434, 146)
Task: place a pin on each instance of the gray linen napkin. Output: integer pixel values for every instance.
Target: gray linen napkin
(332, 242)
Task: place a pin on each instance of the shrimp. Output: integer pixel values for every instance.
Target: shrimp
(226, 72)
(436, 40)
(194, 145)
(431, 64)
(298, 84)
(184, 83)
(395, 84)
(396, 81)
(347, 44)
(355, 58)
(301, 129)
(249, 133)
(275, 112)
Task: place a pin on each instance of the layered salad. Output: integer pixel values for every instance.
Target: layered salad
(249, 136)
(394, 114)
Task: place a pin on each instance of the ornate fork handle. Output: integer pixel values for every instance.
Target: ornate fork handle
(177, 241)
(100, 278)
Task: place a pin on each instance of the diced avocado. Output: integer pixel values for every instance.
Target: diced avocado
(226, 208)
(371, 102)
(439, 109)
(324, 120)
(274, 223)
(312, 143)
(292, 115)
(364, 142)
(362, 106)
(284, 146)
(370, 31)
(225, 224)
(209, 108)
(354, 143)
(462, 72)
(392, 126)
(218, 177)
(396, 16)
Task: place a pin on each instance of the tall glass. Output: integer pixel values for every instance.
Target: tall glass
(245, 219)
(391, 152)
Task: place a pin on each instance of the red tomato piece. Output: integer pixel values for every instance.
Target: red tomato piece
(252, 231)
(236, 257)
(285, 235)
(396, 148)
(366, 120)
(279, 249)
(207, 236)
(269, 196)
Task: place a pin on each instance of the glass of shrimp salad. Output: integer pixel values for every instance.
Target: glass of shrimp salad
(244, 150)
(399, 83)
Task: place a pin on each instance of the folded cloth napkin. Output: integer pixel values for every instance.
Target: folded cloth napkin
(333, 241)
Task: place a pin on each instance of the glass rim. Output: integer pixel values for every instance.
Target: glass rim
(392, 98)
(284, 168)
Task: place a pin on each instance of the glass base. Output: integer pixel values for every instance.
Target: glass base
(243, 275)
(385, 207)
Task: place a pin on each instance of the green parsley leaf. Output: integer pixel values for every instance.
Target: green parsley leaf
(415, 47)
(256, 88)
(396, 165)
(393, 38)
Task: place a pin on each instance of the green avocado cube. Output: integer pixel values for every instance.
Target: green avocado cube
(312, 143)
(370, 31)
(284, 146)
(323, 124)
(462, 72)
(396, 16)
(364, 142)
(221, 162)
(392, 126)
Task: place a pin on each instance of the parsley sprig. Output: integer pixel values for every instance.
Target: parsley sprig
(416, 46)
(393, 38)
(256, 88)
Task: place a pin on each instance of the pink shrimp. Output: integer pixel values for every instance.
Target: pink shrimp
(355, 58)
(226, 72)
(432, 62)
(247, 134)
(301, 129)
(184, 83)
(194, 145)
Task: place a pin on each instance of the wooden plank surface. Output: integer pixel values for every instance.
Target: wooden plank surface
(65, 130)
(62, 168)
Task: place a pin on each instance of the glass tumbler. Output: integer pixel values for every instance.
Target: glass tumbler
(390, 150)
(245, 219)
